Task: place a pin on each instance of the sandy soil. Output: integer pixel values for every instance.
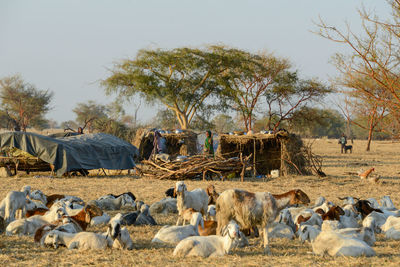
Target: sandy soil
(384, 157)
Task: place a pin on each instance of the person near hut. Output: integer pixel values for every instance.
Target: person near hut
(159, 144)
(209, 144)
(342, 142)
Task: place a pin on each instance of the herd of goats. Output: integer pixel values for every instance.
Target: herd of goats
(217, 222)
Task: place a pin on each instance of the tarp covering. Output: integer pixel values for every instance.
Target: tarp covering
(87, 151)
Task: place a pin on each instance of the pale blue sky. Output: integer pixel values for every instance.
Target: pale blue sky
(67, 46)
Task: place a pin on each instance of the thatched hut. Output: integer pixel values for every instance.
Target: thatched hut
(184, 143)
(282, 151)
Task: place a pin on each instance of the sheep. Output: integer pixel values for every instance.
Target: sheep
(196, 199)
(14, 201)
(174, 234)
(82, 240)
(212, 195)
(285, 217)
(336, 244)
(254, 209)
(211, 212)
(209, 246)
(144, 218)
(109, 203)
(387, 203)
(164, 206)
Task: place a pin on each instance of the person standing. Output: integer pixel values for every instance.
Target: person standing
(209, 144)
(342, 142)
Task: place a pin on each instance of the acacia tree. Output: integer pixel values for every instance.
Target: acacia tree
(289, 94)
(87, 113)
(182, 79)
(374, 56)
(23, 103)
(247, 82)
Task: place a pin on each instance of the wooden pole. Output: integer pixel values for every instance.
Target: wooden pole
(254, 160)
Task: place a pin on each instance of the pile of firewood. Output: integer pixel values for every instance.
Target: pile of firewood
(194, 167)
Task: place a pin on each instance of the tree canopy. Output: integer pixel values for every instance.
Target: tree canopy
(182, 79)
(23, 103)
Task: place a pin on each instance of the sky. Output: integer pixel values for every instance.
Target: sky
(69, 46)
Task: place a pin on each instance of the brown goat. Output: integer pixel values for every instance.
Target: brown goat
(84, 217)
(212, 195)
(320, 211)
(255, 209)
(53, 198)
(210, 228)
(36, 211)
(41, 231)
(333, 214)
(187, 214)
(364, 207)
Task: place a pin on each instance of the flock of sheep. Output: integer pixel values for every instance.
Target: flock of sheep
(217, 222)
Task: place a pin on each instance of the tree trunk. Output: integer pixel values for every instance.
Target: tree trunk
(369, 138)
(182, 119)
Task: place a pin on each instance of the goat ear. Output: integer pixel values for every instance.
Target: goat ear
(174, 194)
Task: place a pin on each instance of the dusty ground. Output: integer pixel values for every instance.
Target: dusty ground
(384, 157)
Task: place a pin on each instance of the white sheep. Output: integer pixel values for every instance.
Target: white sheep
(14, 201)
(174, 234)
(336, 244)
(196, 199)
(209, 246)
(82, 240)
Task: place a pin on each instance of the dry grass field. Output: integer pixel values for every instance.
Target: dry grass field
(384, 157)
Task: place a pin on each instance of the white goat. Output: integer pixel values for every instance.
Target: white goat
(209, 246)
(174, 234)
(164, 206)
(285, 217)
(196, 199)
(109, 203)
(374, 220)
(392, 228)
(211, 213)
(28, 226)
(82, 240)
(120, 236)
(336, 244)
(14, 201)
(348, 221)
(280, 230)
(308, 232)
(100, 220)
(387, 203)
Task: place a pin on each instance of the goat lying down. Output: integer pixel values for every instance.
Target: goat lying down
(209, 246)
(174, 234)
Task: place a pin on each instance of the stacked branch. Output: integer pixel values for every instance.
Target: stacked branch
(194, 167)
